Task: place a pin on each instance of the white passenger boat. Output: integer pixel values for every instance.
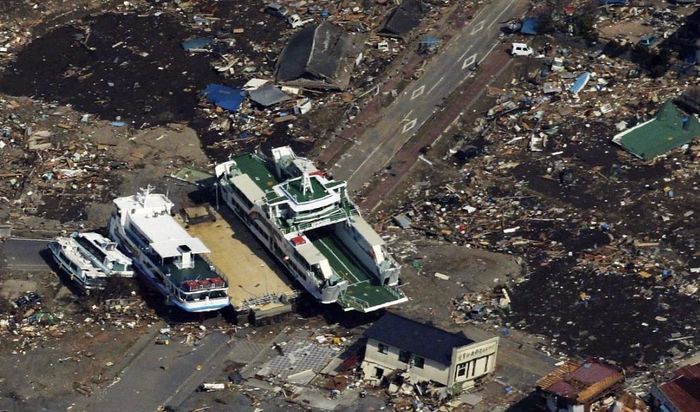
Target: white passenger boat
(89, 259)
(168, 257)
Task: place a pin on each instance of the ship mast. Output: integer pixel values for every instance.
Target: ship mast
(306, 181)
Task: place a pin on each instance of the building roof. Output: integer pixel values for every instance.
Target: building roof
(420, 339)
(670, 128)
(402, 19)
(683, 391)
(581, 382)
(322, 54)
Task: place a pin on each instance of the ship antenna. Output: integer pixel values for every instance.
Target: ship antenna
(306, 181)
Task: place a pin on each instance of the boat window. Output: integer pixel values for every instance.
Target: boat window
(118, 266)
(217, 294)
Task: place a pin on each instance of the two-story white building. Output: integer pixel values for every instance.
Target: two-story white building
(426, 353)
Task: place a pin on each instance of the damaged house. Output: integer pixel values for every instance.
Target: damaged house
(402, 19)
(319, 57)
(426, 353)
(577, 386)
(681, 393)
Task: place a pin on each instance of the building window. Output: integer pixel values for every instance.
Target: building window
(378, 373)
(418, 362)
(382, 348)
(462, 369)
(404, 356)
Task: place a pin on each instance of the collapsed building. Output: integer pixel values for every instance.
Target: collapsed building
(670, 128)
(681, 393)
(320, 57)
(576, 386)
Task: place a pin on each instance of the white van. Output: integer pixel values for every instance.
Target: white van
(521, 49)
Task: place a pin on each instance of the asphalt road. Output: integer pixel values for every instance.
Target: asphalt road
(405, 116)
(25, 254)
(161, 375)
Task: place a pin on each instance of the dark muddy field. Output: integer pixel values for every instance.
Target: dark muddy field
(622, 317)
(627, 319)
(133, 68)
(114, 66)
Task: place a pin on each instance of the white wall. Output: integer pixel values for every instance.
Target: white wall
(357, 244)
(476, 355)
(431, 371)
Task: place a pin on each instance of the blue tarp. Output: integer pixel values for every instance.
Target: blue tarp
(430, 41)
(613, 2)
(530, 25)
(196, 43)
(229, 98)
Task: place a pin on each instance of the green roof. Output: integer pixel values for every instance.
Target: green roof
(201, 270)
(257, 170)
(295, 189)
(670, 128)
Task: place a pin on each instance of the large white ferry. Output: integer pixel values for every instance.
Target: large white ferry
(310, 225)
(89, 259)
(172, 260)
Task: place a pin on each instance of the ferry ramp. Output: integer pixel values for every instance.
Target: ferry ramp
(365, 292)
(254, 281)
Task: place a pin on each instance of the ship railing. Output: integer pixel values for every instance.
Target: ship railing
(332, 218)
(396, 292)
(388, 267)
(353, 301)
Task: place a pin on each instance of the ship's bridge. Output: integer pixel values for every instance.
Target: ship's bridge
(307, 193)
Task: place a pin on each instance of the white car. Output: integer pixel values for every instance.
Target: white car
(521, 49)
(295, 21)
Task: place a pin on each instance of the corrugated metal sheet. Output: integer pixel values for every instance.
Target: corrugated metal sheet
(580, 381)
(683, 391)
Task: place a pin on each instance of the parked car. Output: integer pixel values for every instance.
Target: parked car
(282, 12)
(521, 49)
(28, 299)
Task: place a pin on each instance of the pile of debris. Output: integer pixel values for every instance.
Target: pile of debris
(604, 232)
(480, 306)
(30, 323)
